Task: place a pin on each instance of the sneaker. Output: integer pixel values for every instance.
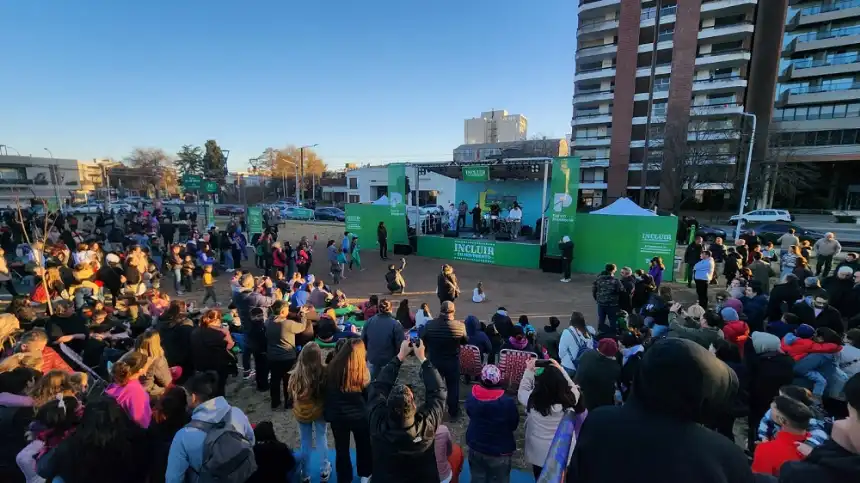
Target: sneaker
(325, 473)
(230, 270)
(180, 292)
(250, 374)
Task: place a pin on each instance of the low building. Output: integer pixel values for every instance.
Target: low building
(369, 183)
(26, 177)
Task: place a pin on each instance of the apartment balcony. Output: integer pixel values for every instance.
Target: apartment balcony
(648, 17)
(713, 85)
(592, 8)
(658, 95)
(595, 28)
(661, 45)
(595, 53)
(825, 39)
(594, 163)
(662, 69)
(652, 143)
(591, 74)
(727, 33)
(588, 97)
(716, 109)
(714, 135)
(592, 141)
(728, 7)
(591, 119)
(825, 94)
(817, 14)
(719, 60)
(836, 65)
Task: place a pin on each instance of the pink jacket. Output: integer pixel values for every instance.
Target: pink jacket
(134, 399)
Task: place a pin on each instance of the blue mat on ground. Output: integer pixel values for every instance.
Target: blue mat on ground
(517, 476)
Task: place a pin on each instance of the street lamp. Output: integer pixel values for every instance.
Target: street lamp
(49, 152)
(302, 163)
(743, 202)
(8, 148)
(297, 181)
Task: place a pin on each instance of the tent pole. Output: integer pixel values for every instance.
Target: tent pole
(543, 201)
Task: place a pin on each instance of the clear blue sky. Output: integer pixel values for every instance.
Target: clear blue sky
(373, 81)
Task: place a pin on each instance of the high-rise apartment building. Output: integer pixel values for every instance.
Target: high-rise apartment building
(816, 119)
(495, 127)
(688, 63)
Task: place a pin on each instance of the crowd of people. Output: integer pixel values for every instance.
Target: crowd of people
(121, 382)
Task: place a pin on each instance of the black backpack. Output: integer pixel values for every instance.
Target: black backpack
(228, 457)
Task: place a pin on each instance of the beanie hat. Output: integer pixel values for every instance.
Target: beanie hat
(491, 375)
(729, 314)
(607, 347)
(764, 342)
(804, 331)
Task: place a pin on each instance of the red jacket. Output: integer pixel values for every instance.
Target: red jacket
(737, 332)
(51, 360)
(799, 348)
(770, 455)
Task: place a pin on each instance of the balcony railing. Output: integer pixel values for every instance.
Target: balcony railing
(652, 12)
(814, 113)
(723, 27)
(590, 114)
(593, 47)
(593, 69)
(724, 52)
(829, 34)
(595, 91)
(597, 21)
(717, 103)
(715, 78)
(835, 60)
(840, 86)
(816, 9)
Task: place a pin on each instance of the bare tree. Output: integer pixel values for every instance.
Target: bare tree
(780, 173)
(38, 237)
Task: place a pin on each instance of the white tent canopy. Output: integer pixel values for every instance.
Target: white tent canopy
(624, 207)
(383, 200)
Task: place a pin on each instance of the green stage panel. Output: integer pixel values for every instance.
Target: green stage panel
(490, 252)
(362, 220)
(630, 241)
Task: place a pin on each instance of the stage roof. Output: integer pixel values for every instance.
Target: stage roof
(500, 169)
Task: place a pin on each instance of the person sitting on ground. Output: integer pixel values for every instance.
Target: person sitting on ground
(519, 342)
(575, 341)
(793, 416)
(598, 374)
(394, 281)
(402, 434)
(127, 389)
(35, 342)
(319, 294)
(550, 337)
(370, 308)
(158, 376)
(423, 315)
(478, 294)
(169, 415)
(275, 461)
(404, 315)
(493, 419)
(328, 333)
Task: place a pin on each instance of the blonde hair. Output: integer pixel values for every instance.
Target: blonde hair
(308, 377)
(21, 359)
(9, 327)
(149, 344)
(695, 311)
(53, 383)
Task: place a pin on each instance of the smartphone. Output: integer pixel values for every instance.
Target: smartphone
(543, 363)
(413, 336)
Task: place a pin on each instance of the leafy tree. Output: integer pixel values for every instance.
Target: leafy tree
(214, 162)
(189, 160)
(282, 163)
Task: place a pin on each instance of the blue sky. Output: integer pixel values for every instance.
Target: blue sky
(374, 81)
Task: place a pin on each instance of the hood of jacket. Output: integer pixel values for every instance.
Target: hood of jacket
(681, 379)
(736, 331)
(473, 325)
(798, 347)
(211, 411)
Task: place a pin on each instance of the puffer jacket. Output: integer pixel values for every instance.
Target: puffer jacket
(799, 348)
(607, 289)
(737, 332)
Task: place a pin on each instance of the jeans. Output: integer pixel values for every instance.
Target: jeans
(702, 292)
(280, 371)
(363, 454)
(187, 280)
(81, 294)
(449, 369)
(606, 312)
(307, 430)
(489, 469)
(461, 220)
(177, 279)
(813, 367)
(824, 262)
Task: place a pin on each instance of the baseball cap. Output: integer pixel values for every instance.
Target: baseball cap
(447, 307)
(607, 347)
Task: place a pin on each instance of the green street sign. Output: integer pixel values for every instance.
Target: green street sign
(476, 173)
(191, 182)
(255, 220)
(210, 187)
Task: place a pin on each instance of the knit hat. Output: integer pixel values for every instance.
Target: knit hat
(112, 258)
(729, 314)
(491, 375)
(811, 282)
(447, 307)
(764, 342)
(804, 331)
(607, 347)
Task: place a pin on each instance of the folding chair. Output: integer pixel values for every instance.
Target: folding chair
(96, 380)
(512, 363)
(470, 361)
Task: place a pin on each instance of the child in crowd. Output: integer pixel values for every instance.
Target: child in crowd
(478, 294)
(449, 455)
(812, 351)
(275, 461)
(188, 273)
(493, 419)
(793, 416)
(53, 422)
(307, 381)
(819, 424)
(209, 286)
(127, 389)
(235, 285)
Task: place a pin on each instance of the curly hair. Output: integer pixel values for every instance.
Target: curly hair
(53, 383)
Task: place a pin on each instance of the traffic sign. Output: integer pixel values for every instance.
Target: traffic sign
(191, 182)
(210, 187)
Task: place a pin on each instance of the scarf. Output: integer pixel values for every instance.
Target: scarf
(519, 344)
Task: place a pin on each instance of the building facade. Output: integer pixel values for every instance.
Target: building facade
(369, 183)
(687, 63)
(495, 127)
(26, 177)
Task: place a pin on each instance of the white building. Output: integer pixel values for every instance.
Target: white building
(25, 177)
(495, 127)
(364, 185)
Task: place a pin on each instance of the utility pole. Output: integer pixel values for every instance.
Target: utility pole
(302, 164)
(645, 151)
(106, 179)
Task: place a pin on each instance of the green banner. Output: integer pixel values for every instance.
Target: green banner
(626, 241)
(210, 187)
(397, 189)
(255, 220)
(488, 252)
(476, 173)
(363, 220)
(191, 182)
(210, 212)
(563, 198)
(53, 205)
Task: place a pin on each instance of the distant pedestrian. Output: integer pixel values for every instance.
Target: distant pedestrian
(692, 255)
(703, 271)
(382, 238)
(787, 240)
(825, 249)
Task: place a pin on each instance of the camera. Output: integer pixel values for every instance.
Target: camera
(543, 363)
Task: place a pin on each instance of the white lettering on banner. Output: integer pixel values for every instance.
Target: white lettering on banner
(661, 243)
(353, 223)
(474, 251)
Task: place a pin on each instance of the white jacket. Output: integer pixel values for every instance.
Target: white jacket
(540, 429)
(569, 344)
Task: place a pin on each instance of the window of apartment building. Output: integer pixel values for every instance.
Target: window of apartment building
(725, 47)
(592, 175)
(592, 198)
(353, 183)
(588, 88)
(666, 33)
(729, 20)
(588, 133)
(12, 174)
(726, 73)
(658, 108)
(819, 138)
(590, 66)
(661, 84)
(353, 199)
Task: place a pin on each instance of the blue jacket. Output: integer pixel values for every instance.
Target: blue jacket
(477, 337)
(755, 309)
(780, 328)
(493, 418)
(204, 259)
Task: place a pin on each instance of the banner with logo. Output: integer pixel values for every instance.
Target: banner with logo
(363, 220)
(476, 173)
(397, 189)
(626, 241)
(480, 251)
(563, 198)
(255, 220)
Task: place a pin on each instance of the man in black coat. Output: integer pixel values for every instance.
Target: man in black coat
(443, 337)
(692, 255)
(597, 374)
(679, 384)
(403, 435)
(819, 313)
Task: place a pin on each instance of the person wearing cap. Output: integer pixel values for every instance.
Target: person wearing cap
(493, 419)
(382, 335)
(443, 336)
(598, 373)
(735, 330)
(112, 276)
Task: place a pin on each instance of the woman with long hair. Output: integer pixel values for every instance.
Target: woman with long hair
(423, 315)
(345, 408)
(106, 447)
(306, 388)
(127, 389)
(49, 386)
(575, 341)
(169, 414)
(404, 316)
(175, 329)
(210, 348)
(546, 393)
(158, 376)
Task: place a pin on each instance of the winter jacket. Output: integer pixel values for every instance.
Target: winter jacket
(839, 290)
(176, 342)
(782, 298)
(704, 336)
(345, 408)
(248, 299)
(737, 332)
(762, 271)
(493, 418)
(444, 338)
(382, 335)
(157, 378)
(767, 372)
(15, 416)
(641, 293)
(52, 360)
(134, 400)
(540, 429)
(693, 253)
(281, 339)
(549, 338)
(504, 325)
(394, 280)
(606, 290)
(447, 287)
(799, 348)
(734, 262)
(404, 451)
(597, 376)
(828, 463)
(210, 350)
(477, 337)
(718, 252)
(572, 342)
(186, 451)
(829, 316)
(755, 308)
(657, 309)
(566, 249)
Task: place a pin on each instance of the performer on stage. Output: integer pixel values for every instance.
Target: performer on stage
(516, 218)
(476, 219)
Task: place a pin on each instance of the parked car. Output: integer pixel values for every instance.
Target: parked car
(122, 208)
(763, 216)
(173, 201)
(297, 213)
(87, 209)
(329, 213)
(228, 210)
(772, 231)
(710, 233)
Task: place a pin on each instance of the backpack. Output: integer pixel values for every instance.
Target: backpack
(582, 346)
(227, 456)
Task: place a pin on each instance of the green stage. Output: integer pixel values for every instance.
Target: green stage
(506, 254)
